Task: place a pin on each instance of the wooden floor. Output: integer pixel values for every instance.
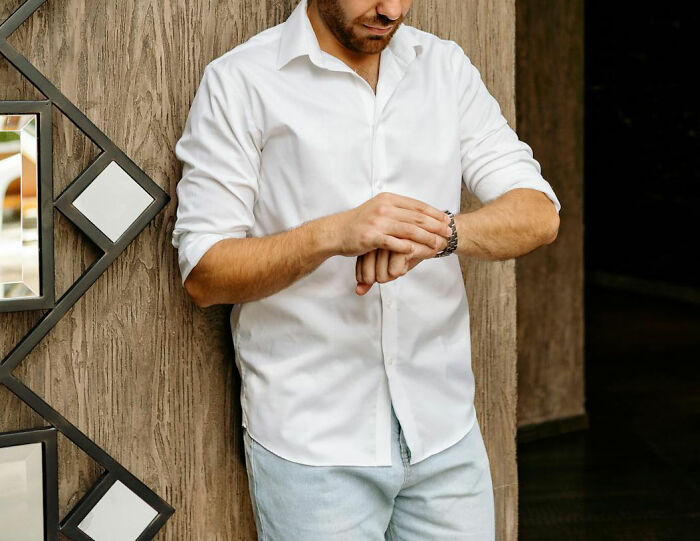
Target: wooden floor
(635, 473)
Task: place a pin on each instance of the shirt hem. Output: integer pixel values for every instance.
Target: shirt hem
(454, 442)
(274, 450)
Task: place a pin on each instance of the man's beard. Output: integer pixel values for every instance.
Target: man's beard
(346, 33)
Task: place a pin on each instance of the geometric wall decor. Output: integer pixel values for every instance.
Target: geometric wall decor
(139, 199)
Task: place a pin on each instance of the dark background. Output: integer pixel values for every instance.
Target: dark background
(634, 473)
(642, 140)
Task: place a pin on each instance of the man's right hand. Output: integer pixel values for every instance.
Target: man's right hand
(392, 222)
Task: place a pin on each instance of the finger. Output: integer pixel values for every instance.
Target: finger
(361, 289)
(368, 264)
(398, 264)
(410, 203)
(359, 268)
(411, 231)
(381, 267)
(442, 245)
(429, 223)
(394, 244)
(421, 251)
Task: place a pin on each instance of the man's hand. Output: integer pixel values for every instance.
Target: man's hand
(391, 222)
(383, 265)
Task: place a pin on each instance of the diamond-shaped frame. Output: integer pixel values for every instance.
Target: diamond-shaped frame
(114, 471)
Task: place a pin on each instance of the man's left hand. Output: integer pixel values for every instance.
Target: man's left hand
(383, 265)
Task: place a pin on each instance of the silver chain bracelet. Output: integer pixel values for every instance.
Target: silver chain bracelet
(452, 240)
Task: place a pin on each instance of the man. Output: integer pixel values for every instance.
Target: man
(321, 156)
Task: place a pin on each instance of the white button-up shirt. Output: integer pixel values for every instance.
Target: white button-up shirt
(281, 132)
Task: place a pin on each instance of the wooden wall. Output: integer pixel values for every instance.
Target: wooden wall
(549, 93)
(135, 364)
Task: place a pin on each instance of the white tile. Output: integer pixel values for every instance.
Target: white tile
(120, 515)
(113, 201)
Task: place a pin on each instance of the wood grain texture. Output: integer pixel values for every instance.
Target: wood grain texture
(550, 279)
(135, 364)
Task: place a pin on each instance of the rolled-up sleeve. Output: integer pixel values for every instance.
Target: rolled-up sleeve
(220, 153)
(494, 159)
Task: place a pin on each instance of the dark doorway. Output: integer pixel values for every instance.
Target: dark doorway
(635, 472)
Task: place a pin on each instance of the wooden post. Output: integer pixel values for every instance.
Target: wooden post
(550, 280)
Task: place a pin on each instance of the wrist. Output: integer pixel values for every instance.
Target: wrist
(322, 237)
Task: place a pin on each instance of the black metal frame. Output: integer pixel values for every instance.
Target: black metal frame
(47, 438)
(42, 109)
(64, 203)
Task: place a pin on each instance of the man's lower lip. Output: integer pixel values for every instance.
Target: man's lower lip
(378, 30)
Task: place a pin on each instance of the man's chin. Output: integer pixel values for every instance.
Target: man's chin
(373, 44)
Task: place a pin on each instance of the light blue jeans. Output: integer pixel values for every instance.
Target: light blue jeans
(448, 495)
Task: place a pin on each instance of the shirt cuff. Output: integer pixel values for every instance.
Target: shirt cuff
(542, 186)
(534, 183)
(191, 247)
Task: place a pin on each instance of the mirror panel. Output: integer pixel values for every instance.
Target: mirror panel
(22, 493)
(19, 207)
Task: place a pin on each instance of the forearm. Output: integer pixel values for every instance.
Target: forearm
(238, 270)
(512, 225)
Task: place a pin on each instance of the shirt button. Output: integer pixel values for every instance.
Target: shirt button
(389, 303)
(390, 360)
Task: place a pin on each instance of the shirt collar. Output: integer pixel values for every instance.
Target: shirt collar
(298, 38)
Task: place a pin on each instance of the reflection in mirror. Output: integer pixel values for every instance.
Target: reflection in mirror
(19, 208)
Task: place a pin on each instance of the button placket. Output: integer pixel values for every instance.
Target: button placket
(389, 323)
(379, 158)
